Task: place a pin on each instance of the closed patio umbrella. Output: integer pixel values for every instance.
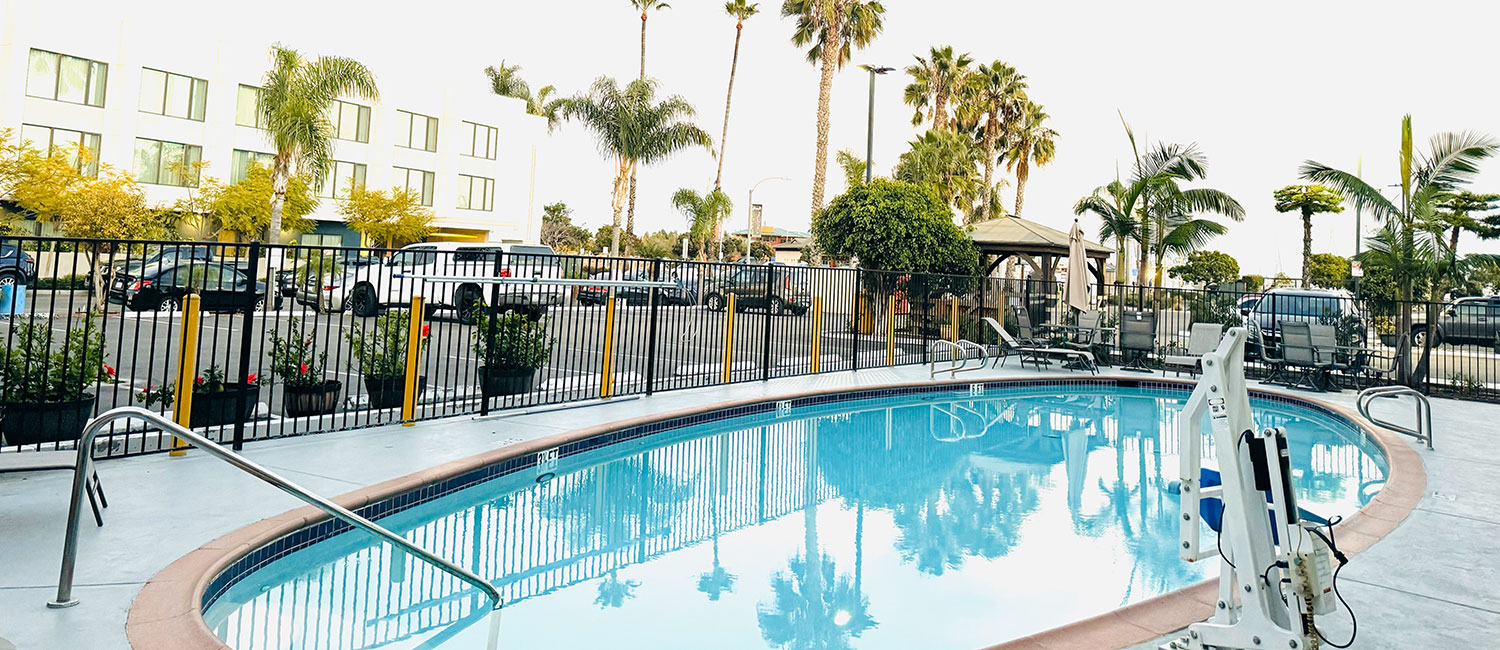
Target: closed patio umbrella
(1077, 288)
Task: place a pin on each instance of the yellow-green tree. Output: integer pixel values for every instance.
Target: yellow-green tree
(388, 219)
(109, 207)
(244, 208)
(35, 182)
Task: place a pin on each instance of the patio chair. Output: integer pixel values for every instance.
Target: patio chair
(1202, 339)
(1272, 359)
(1332, 356)
(39, 461)
(1138, 336)
(1298, 352)
(1038, 355)
(1378, 366)
(1085, 334)
(1028, 334)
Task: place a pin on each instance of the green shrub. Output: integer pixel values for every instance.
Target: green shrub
(379, 352)
(64, 283)
(35, 373)
(295, 359)
(513, 342)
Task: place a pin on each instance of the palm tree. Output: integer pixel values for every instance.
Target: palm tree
(948, 162)
(645, 6)
(293, 107)
(831, 29)
(1172, 223)
(741, 11)
(998, 92)
(635, 129)
(1029, 142)
(506, 81)
(1109, 203)
(852, 165)
(704, 214)
(1451, 162)
(935, 80)
(1308, 200)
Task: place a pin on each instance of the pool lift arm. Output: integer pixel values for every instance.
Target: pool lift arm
(1276, 571)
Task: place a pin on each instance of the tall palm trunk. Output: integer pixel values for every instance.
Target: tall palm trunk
(830, 61)
(734, 63)
(1306, 245)
(623, 170)
(991, 134)
(1122, 258)
(281, 178)
(1023, 172)
(940, 110)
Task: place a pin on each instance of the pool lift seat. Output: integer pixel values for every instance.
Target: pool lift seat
(1277, 576)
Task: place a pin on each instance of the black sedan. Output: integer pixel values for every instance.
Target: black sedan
(220, 288)
(632, 295)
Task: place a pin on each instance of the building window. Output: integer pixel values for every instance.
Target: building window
(240, 167)
(350, 121)
(342, 178)
(320, 239)
(173, 95)
(167, 163)
(476, 193)
(49, 141)
(66, 78)
(481, 141)
(417, 181)
(247, 107)
(416, 131)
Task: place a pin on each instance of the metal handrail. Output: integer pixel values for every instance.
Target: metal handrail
(955, 366)
(1422, 433)
(984, 355)
(81, 472)
(570, 282)
(952, 361)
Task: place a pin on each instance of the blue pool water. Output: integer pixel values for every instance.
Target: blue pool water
(929, 521)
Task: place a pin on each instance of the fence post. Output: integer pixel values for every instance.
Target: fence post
(187, 370)
(246, 332)
(493, 311)
(926, 321)
(859, 275)
(728, 338)
(651, 344)
(413, 359)
(890, 330)
(607, 369)
(953, 319)
(817, 333)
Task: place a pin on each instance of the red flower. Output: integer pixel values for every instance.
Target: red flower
(426, 330)
(108, 370)
(200, 381)
(302, 369)
(250, 379)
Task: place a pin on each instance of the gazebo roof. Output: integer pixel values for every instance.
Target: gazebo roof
(1017, 235)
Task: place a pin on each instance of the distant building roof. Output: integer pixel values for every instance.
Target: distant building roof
(768, 231)
(792, 245)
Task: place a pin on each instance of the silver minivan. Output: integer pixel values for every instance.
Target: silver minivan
(1312, 306)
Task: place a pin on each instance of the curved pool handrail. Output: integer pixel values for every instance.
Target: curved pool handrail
(81, 472)
(1423, 432)
(953, 362)
(984, 356)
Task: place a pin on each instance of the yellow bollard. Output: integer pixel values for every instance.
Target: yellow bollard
(817, 333)
(890, 330)
(953, 331)
(607, 378)
(728, 338)
(413, 359)
(187, 370)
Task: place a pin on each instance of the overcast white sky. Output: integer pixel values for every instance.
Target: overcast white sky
(1260, 86)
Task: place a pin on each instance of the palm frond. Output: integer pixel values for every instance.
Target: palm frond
(1355, 190)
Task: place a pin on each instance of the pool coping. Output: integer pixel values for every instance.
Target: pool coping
(167, 613)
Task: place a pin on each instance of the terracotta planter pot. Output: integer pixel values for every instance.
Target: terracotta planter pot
(214, 409)
(389, 392)
(312, 400)
(506, 381)
(30, 424)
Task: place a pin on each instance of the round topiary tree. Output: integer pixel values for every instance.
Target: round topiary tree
(895, 226)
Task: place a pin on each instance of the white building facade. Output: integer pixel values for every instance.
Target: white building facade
(141, 101)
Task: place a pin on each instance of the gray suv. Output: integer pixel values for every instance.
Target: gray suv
(788, 290)
(1466, 320)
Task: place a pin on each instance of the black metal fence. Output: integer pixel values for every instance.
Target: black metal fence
(301, 339)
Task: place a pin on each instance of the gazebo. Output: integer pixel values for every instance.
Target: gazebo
(1039, 246)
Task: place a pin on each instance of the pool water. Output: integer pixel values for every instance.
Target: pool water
(926, 521)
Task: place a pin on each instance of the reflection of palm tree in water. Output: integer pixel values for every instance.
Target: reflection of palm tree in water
(717, 581)
(1151, 532)
(613, 591)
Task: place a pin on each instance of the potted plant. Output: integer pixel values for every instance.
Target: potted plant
(379, 353)
(510, 348)
(215, 401)
(45, 392)
(1385, 327)
(298, 364)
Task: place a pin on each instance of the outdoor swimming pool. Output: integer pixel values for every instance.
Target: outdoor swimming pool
(934, 520)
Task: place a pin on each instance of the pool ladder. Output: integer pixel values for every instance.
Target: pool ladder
(959, 360)
(1423, 432)
(81, 473)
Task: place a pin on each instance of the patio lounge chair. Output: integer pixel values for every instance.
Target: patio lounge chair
(1085, 334)
(1038, 355)
(1298, 352)
(1138, 336)
(1202, 339)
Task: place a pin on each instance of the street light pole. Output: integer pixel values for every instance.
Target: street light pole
(750, 211)
(870, 127)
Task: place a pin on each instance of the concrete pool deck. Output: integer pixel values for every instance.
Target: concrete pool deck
(1454, 583)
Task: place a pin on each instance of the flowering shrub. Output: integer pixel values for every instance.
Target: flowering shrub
(295, 359)
(379, 351)
(211, 381)
(36, 368)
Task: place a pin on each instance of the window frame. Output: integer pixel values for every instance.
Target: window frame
(160, 170)
(488, 191)
(336, 107)
(91, 169)
(429, 179)
(91, 86)
(429, 132)
(359, 171)
(197, 109)
(258, 119)
(235, 174)
(492, 142)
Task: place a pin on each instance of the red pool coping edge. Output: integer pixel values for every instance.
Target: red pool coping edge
(166, 614)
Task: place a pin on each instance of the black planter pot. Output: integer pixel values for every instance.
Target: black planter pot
(30, 424)
(388, 392)
(506, 381)
(214, 409)
(313, 400)
(1389, 340)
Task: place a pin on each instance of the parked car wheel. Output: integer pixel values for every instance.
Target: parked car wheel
(168, 305)
(1419, 339)
(362, 301)
(260, 304)
(714, 302)
(469, 300)
(9, 279)
(775, 307)
(799, 311)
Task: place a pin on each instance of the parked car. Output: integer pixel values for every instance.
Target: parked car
(1465, 320)
(749, 285)
(16, 266)
(1247, 303)
(366, 289)
(159, 258)
(1313, 306)
(588, 296)
(220, 288)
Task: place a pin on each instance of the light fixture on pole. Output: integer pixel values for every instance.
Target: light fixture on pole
(870, 127)
(750, 212)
